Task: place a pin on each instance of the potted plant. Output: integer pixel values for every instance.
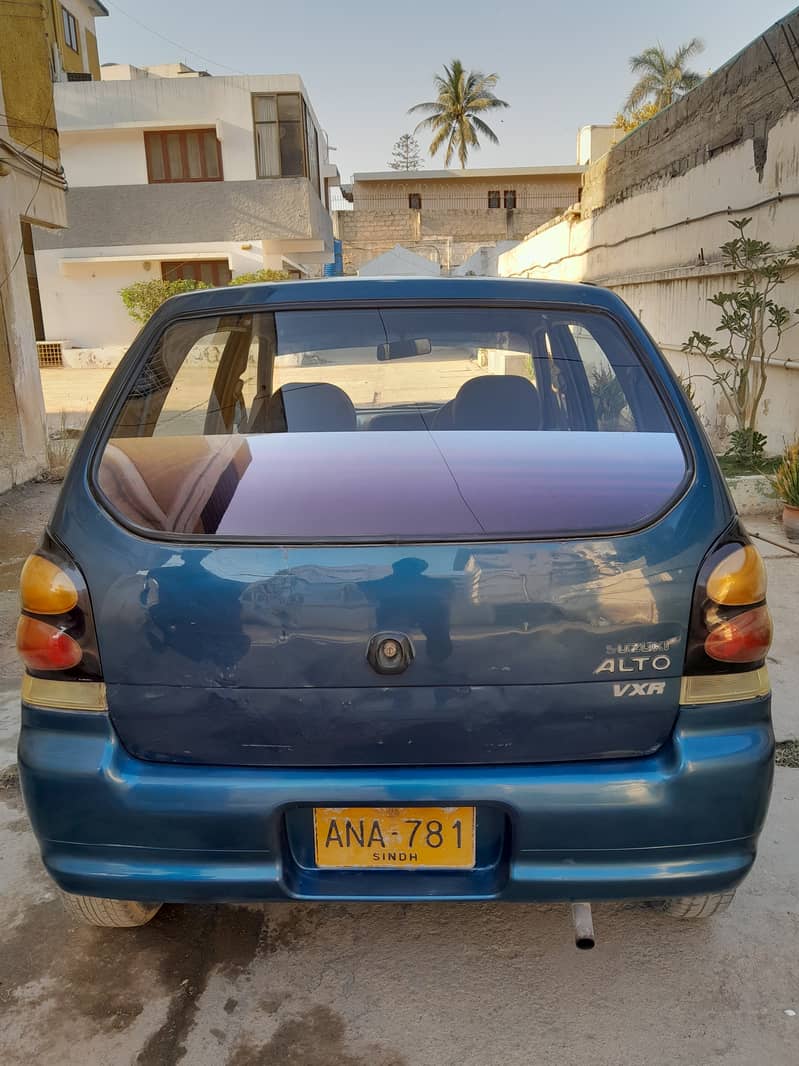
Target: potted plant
(786, 483)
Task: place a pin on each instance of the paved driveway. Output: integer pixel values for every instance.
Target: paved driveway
(382, 985)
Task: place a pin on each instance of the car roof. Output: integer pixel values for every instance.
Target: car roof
(379, 289)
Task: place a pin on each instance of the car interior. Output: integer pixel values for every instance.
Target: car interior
(556, 377)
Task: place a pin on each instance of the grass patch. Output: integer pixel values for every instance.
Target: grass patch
(60, 446)
(732, 467)
(788, 753)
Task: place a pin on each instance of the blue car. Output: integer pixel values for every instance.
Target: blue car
(395, 589)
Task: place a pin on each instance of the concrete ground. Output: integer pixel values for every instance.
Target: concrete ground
(386, 985)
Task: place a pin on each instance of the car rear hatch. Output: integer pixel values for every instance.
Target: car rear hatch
(535, 576)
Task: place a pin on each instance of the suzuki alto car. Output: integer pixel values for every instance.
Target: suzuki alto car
(394, 589)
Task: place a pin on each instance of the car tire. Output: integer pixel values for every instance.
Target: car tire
(108, 913)
(697, 906)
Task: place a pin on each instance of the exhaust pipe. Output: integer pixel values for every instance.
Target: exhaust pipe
(583, 926)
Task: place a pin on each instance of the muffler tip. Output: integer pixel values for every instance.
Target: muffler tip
(583, 926)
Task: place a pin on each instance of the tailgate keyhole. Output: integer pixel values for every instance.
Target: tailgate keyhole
(389, 653)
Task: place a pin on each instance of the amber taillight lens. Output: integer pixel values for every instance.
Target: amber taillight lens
(730, 627)
(739, 579)
(45, 588)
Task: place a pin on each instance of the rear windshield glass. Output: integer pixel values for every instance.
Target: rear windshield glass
(434, 422)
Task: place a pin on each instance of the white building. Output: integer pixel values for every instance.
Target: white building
(176, 174)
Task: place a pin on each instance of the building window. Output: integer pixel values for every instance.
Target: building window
(71, 38)
(280, 150)
(183, 155)
(494, 199)
(415, 201)
(312, 142)
(211, 271)
(510, 197)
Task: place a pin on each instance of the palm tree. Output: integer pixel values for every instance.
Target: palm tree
(663, 78)
(454, 116)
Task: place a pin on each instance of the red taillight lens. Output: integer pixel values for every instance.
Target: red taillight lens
(42, 646)
(744, 638)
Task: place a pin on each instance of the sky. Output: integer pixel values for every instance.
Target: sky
(365, 62)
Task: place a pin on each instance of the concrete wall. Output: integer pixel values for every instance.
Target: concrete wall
(656, 210)
(30, 190)
(594, 141)
(23, 443)
(40, 201)
(105, 158)
(192, 212)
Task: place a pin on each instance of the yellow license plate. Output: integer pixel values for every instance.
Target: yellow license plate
(372, 838)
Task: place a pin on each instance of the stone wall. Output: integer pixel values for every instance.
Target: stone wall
(738, 104)
(447, 237)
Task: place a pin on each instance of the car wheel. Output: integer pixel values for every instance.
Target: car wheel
(697, 906)
(109, 913)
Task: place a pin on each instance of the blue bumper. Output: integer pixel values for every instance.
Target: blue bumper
(683, 821)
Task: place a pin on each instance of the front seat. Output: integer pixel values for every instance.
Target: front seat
(497, 402)
(309, 407)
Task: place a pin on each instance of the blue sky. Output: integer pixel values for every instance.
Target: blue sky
(561, 65)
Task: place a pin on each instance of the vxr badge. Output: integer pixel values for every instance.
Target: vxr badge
(642, 688)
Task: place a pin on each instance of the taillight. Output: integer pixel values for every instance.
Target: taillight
(730, 627)
(55, 633)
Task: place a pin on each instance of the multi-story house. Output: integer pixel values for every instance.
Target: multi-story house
(448, 215)
(41, 42)
(176, 174)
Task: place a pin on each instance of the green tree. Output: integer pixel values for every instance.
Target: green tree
(455, 115)
(663, 78)
(406, 154)
(752, 324)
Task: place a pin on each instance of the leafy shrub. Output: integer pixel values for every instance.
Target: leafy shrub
(610, 403)
(143, 298)
(748, 447)
(260, 275)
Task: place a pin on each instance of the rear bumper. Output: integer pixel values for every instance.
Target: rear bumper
(683, 821)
